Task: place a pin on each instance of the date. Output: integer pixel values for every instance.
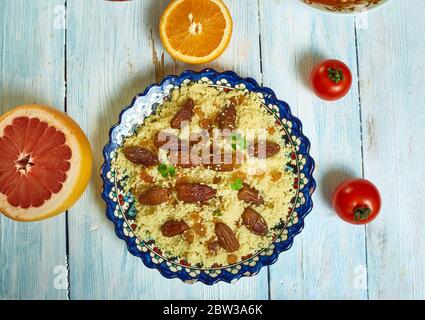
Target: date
(155, 196)
(264, 149)
(174, 228)
(251, 195)
(141, 156)
(254, 222)
(185, 114)
(168, 141)
(227, 118)
(226, 237)
(195, 192)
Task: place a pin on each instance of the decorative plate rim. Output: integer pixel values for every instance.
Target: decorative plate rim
(344, 12)
(213, 276)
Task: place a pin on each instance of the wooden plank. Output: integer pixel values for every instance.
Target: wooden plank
(32, 55)
(391, 59)
(114, 52)
(328, 255)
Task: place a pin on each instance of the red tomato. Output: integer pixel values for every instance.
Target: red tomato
(357, 201)
(331, 79)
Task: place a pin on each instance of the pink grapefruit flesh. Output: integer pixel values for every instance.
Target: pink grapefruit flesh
(34, 162)
(45, 162)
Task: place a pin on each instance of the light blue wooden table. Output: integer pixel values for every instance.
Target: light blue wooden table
(90, 58)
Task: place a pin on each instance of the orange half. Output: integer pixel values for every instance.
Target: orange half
(196, 31)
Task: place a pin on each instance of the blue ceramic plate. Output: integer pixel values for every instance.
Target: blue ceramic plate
(119, 205)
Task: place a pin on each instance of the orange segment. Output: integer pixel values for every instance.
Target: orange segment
(196, 31)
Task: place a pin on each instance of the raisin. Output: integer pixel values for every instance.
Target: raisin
(206, 124)
(271, 130)
(182, 179)
(146, 177)
(232, 259)
(195, 216)
(216, 180)
(212, 246)
(275, 175)
(199, 229)
(189, 236)
(198, 111)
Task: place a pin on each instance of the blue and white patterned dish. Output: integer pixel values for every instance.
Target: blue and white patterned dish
(119, 207)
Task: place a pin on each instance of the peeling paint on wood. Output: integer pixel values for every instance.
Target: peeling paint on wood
(157, 62)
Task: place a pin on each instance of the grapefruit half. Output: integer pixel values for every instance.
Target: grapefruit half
(45, 163)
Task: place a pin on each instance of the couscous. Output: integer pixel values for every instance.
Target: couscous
(208, 170)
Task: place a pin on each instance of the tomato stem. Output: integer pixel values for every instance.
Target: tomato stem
(362, 213)
(336, 75)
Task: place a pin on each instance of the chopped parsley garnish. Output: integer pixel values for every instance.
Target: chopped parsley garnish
(162, 169)
(172, 171)
(238, 141)
(237, 184)
(166, 171)
(217, 213)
